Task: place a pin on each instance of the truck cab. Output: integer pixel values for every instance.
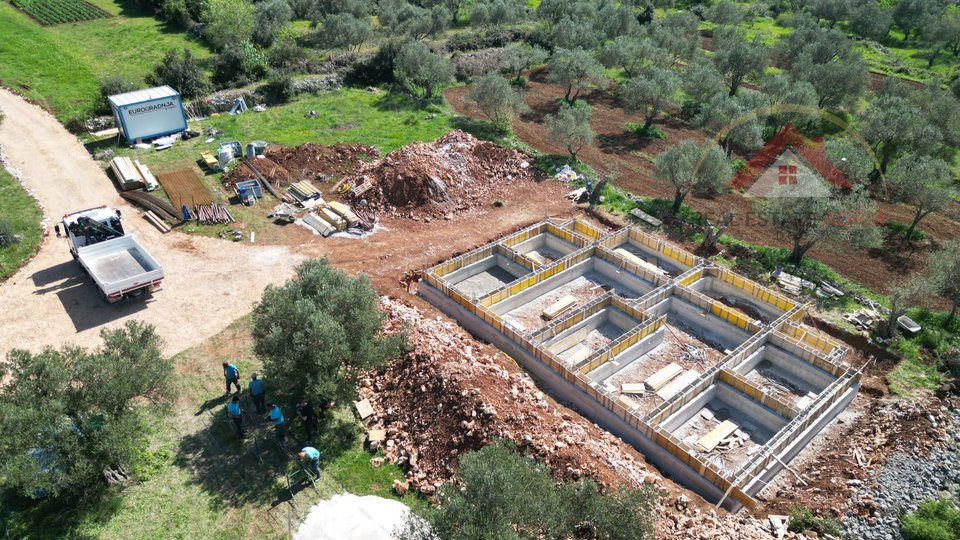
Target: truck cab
(117, 263)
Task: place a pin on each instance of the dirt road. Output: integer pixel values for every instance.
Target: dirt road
(50, 301)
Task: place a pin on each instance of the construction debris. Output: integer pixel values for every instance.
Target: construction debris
(436, 403)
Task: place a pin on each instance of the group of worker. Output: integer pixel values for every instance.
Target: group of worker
(258, 392)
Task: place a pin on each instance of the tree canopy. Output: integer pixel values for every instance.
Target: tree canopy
(690, 167)
(72, 418)
(420, 68)
(923, 182)
(650, 92)
(738, 57)
(496, 99)
(500, 493)
(575, 69)
(847, 221)
(320, 330)
(570, 126)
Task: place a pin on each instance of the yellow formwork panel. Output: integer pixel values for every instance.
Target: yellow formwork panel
(691, 278)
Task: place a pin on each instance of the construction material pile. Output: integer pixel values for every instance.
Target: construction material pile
(454, 173)
(446, 397)
(884, 428)
(273, 172)
(213, 214)
(311, 161)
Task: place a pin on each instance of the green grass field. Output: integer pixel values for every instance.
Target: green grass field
(200, 481)
(17, 207)
(59, 66)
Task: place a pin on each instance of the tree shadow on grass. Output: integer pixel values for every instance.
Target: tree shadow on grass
(22, 517)
(253, 470)
(397, 101)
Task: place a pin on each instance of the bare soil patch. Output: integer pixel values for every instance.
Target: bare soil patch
(616, 147)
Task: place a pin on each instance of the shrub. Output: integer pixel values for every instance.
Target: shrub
(285, 54)
(499, 37)
(8, 236)
(239, 65)
(377, 70)
(180, 72)
(227, 22)
(270, 17)
(496, 99)
(802, 520)
(278, 89)
(653, 132)
(935, 519)
(110, 85)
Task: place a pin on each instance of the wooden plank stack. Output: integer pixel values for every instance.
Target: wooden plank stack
(127, 174)
(344, 211)
(559, 307)
(303, 191)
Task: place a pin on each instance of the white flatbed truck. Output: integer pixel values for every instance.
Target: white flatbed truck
(117, 263)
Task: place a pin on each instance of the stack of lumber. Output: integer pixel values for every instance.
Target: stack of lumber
(559, 307)
(675, 386)
(793, 284)
(303, 191)
(345, 212)
(710, 441)
(131, 174)
(630, 257)
(156, 221)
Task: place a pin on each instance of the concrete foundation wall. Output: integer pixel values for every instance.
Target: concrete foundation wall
(532, 293)
(792, 365)
(722, 288)
(514, 269)
(719, 392)
(548, 241)
(571, 396)
(673, 266)
(703, 324)
(627, 357)
(566, 339)
(628, 279)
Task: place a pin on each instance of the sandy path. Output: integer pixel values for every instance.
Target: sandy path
(50, 301)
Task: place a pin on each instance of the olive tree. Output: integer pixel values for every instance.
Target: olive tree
(420, 68)
(739, 58)
(630, 53)
(500, 493)
(702, 80)
(496, 99)
(870, 20)
(891, 124)
(570, 126)
(399, 17)
(791, 102)
(911, 15)
(73, 418)
(522, 56)
(923, 182)
(498, 12)
(269, 18)
(903, 295)
(843, 221)
(690, 167)
(227, 21)
(650, 92)
(320, 330)
(344, 31)
(943, 271)
(575, 69)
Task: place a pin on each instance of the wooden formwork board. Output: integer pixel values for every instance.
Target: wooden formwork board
(185, 188)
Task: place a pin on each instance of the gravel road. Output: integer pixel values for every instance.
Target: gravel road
(50, 301)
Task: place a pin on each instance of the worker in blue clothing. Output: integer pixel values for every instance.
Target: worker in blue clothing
(235, 413)
(276, 417)
(232, 375)
(258, 392)
(312, 455)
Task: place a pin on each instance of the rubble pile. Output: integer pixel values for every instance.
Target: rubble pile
(446, 397)
(454, 173)
(275, 173)
(684, 521)
(311, 161)
(857, 453)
